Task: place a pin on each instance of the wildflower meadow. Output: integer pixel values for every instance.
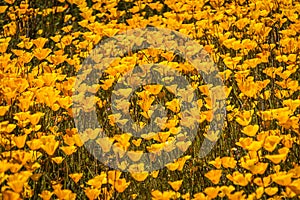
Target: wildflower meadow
(149, 99)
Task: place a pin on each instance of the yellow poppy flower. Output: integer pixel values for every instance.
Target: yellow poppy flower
(271, 191)
(228, 162)
(295, 186)
(135, 155)
(175, 185)
(166, 195)
(76, 177)
(239, 179)
(121, 184)
(46, 195)
(69, 150)
(98, 180)
(212, 192)
(50, 147)
(139, 176)
(214, 176)
(20, 140)
(92, 193)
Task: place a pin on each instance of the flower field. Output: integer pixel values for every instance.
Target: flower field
(255, 48)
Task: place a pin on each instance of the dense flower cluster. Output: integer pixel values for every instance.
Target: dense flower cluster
(255, 45)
